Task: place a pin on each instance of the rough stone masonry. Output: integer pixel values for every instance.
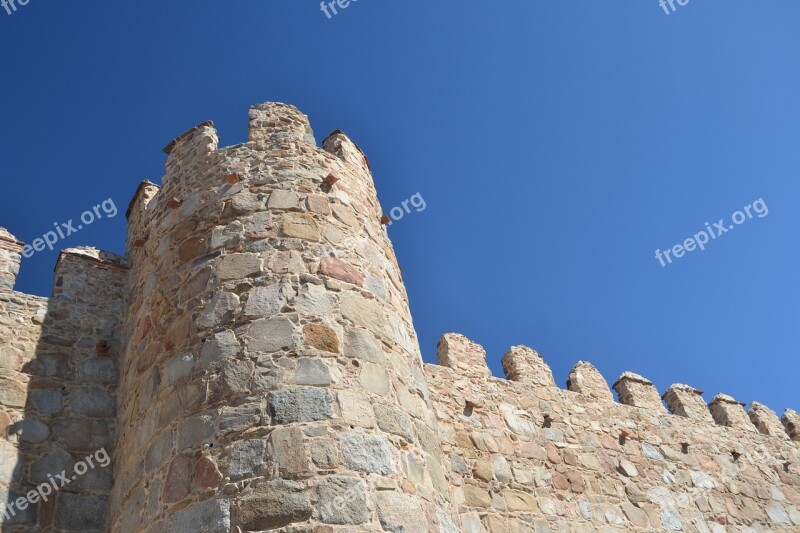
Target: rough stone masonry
(253, 365)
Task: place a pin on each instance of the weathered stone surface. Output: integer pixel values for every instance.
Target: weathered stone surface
(375, 379)
(300, 404)
(400, 513)
(263, 301)
(367, 453)
(525, 365)
(343, 500)
(273, 505)
(280, 199)
(321, 337)
(687, 401)
(53, 463)
(219, 310)
(361, 344)
(585, 379)
(287, 451)
(210, 516)
(178, 482)
(393, 420)
(12, 393)
(356, 410)
(312, 372)
(637, 391)
(80, 513)
(238, 266)
(270, 335)
(247, 458)
(300, 227)
(341, 270)
(458, 352)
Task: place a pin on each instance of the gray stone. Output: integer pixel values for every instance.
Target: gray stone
(212, 516)
(777, 514)
(315, 300)
(671, 520)
(401, 513)
(218, 311)
(287, 451)
(92, 401)
(651, 452)
(343, 500)
(31, 430)
(392, 420)
(502, 471)
(324, 455)
(312, 372)
(99, 370)
(273, 505)
(178, 368)
(238, 266)
(300, 404)
(702, 480)
(246, 458)
(49, 465)
(82, 513)
(367, 453)
(17, 516)
(47, 402)
(195, 431)
(223, 236)
(270, 335)
(280, 199)
(159, 451)
(262, 301)
(221, 346)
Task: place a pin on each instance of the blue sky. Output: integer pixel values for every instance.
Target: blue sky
(557, 146)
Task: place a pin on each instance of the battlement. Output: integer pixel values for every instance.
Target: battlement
(525, 366)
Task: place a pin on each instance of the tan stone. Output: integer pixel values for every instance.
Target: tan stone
(476, 497)
(520, 501)
(300, 226)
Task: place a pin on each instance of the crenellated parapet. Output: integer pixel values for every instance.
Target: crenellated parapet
(10, 257)
(523, 451)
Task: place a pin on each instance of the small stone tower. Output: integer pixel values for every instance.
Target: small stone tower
(271, 374)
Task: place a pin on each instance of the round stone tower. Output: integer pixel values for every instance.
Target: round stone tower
(271, 377)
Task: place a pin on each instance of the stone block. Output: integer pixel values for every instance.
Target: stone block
(342, 501)
(392, 420)
(264, 301)
(300, 404)
(401, 513)
(239, 266)
(81, 513)
(766, 421)
(211, 516)
(367, 453)
(270, 335)
(461, 354)
(273, 505)
(341, 270)
(300, 226)
(247, 458)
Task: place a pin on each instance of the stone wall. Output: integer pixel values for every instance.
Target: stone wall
(526, 456)
(252, 365)
(58, 374)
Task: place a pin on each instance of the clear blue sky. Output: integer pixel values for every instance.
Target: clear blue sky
(557, 146)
